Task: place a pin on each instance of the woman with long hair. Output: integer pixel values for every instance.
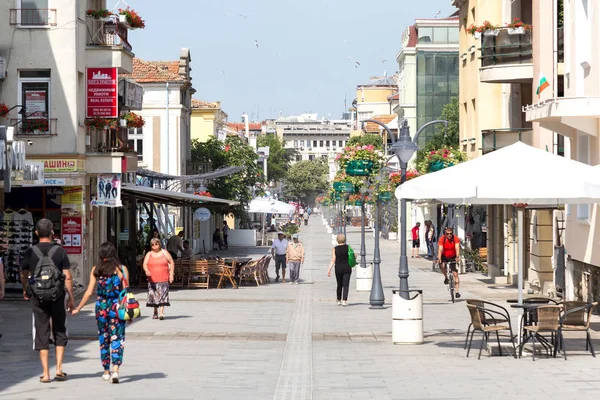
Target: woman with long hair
(159, 268)
(343, 271)
(108, 279)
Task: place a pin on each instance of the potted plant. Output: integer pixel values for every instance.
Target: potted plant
(475, 31)
(517, 27)
(101, 14)
(489, 29)
(360, 160)
(36, 126)
(3, 110)
(100, 123)
(440, 159)
(134, 120)
(395, 178)
(348, 183)
(131, 18)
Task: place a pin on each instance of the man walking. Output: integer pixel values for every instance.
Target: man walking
(225, 233)
(46, 276)
(278, 251)
(306, 216)
(416, 242)
(295, 258)
(175, 244)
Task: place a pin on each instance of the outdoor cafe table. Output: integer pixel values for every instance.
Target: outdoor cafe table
(529, 318)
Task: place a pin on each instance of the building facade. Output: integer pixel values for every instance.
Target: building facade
(207, 120)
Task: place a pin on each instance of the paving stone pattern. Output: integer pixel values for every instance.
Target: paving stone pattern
(281, 341)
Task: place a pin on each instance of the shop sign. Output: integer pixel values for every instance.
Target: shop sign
(202, 214)
(55, 182)
(71, 234)
(102, 93)
(108, 191)
(62, 165)
(131, 93)
(72, 201)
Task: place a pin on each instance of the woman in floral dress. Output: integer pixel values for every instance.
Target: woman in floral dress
(108, 278)
(159, 268)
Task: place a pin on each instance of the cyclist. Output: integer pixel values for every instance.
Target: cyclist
(449, 251)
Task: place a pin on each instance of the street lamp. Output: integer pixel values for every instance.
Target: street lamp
(404, 148)
(376, 298)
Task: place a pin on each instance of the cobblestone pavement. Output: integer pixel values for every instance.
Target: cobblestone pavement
(281, 341)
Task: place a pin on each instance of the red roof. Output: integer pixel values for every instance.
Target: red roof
(395, 96)
(203, 104)
(155, 71)
(412, 36)
(241, 126)
(371, 127)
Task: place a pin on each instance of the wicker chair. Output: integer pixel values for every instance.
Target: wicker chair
(248, 273)
(576, 317)
(548, 320)
(500, 315)
(485, 326)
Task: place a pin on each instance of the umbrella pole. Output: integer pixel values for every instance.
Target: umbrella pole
(519, 218)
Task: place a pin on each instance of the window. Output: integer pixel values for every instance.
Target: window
(341, 143)
(453, 35)
(440, 35)
(298, 157)
(308, 143)
(311, 157)
(136, 141)
(425, 35)
(327, 143)
(34, 13)
(583, 155)
(34, 92)
(295, 144)
(314, 143)
(320, 143)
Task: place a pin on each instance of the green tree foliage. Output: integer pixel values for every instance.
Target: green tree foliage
(444, 137)
(306, 179)
(234, 152)
(367, 139)
(279, 159)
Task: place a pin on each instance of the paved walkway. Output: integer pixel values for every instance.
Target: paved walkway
(281, 341)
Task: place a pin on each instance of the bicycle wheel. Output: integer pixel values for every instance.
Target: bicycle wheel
(451, 286)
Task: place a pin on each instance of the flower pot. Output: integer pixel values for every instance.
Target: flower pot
(516, 31)
(359, 167)
(477, 35)
(122, 18)
(358, 203)
(385, 196)
(436, 166)
(343, 187)
(494, 32)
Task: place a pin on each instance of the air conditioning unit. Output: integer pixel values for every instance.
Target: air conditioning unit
(2, 67)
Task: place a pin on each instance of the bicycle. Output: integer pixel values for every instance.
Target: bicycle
(450, 277)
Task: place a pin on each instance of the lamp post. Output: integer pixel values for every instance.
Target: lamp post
(404, 148)
(376, 298)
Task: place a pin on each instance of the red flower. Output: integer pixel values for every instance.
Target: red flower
(227, 148)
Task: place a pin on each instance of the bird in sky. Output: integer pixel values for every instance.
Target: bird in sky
(225, 14)
(256, 43)
(356, 64)
(438, 13)
(244, 16)
(383, 61)
(349, 58)
(223, 72)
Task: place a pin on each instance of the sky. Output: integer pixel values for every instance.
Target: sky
(307, 54)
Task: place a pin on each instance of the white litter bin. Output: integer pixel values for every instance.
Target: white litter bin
(407, 318)
(364, 277)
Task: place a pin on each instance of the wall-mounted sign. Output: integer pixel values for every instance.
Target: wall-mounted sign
(131, 94)
(108, 191)
(202, 214)
(102, 95)
(71, 234)
(61, 165)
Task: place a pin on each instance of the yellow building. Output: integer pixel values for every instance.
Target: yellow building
(208, 119)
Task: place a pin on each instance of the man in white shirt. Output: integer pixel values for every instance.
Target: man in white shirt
(278, 251)
(175, 244)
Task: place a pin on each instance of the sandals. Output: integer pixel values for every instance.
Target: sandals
(42, 380)
(61, 377)
(155, 316)
(162, 317)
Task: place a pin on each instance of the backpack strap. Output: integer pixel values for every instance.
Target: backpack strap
(40, 255)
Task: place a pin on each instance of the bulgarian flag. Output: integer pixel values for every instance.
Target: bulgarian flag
(542, 85)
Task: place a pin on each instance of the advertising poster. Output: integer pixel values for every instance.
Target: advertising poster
(102, 93)
(108, 191)
(35, 103)
(71, 234)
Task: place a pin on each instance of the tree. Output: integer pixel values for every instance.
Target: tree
(306, 179)
(367, 139)
(279, 159)
(449, 137)
(234, 152)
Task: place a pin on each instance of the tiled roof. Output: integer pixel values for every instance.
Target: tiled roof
(412, 38)
(240, 126)
(155, 71)
(395, 96)
(203, 104)
(370, 127)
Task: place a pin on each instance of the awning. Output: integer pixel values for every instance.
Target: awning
(173, 198)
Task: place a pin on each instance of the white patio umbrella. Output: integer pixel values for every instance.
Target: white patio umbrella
(515, 174)
(269, 206)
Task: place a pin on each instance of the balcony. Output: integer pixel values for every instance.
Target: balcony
(506, 58)
(33, 17)
(38, 127)
(107, 44)
(194, 168)
(494, 139)
(105, 154)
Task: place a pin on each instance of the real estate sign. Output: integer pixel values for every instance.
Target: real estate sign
(102, 94)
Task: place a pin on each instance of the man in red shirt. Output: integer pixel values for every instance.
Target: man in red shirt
(416, 242)
(449, 251)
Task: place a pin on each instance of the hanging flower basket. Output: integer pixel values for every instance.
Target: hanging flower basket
(131, 18)
(385, 196)
(493, 32)
(436, 166)
(134, 120)
(100, 123)
(343, 187)
(3, 110)
(477, 35)
(516, 31)
(359, 167)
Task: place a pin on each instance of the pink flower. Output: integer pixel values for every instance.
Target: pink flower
(432, 152)
(445, 156)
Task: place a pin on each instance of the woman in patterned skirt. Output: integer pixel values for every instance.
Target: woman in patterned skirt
(108, 278)
(159, 268)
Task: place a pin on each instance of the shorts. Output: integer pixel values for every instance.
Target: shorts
(416, 243)
(447, 260)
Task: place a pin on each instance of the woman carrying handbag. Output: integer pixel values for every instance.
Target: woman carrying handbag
(108, 279)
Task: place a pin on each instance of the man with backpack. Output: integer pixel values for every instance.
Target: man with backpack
(46, 279)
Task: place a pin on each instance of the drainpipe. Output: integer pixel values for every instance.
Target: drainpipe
(167, 130)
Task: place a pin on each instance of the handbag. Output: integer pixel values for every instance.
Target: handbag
(351, 257)
(129, 308)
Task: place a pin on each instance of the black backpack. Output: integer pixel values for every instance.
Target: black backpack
(48, 281)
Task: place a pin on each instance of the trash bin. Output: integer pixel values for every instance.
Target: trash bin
(364, 277)
(407, 318)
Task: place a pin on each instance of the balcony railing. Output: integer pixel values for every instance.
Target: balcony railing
(198, 168)
(106, 141)
(494, 139)
(33, 16)
(35, 126)
(506, 49)
(107, 32)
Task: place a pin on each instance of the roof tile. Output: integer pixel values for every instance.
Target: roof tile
(155, 71)
(371, 127)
